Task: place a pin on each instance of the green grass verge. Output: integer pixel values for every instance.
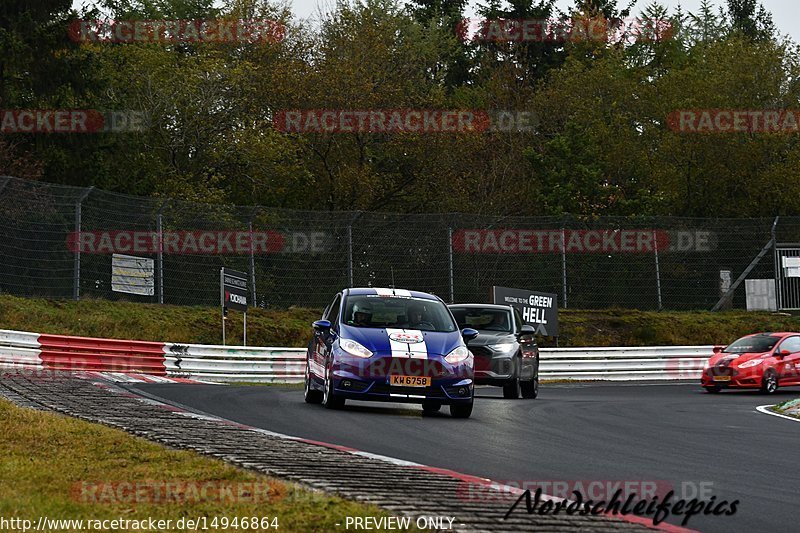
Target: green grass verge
(788, 408)
(46, 456)
(125, 320)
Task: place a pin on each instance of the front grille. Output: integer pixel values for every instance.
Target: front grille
(405, 367)
(481, 351)
(429, 392)
(722, 371)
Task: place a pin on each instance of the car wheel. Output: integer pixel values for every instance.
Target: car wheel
(311, 395)
(461, 410)
(511, 389)
(431, 407)
(329, 398)
(713, 389)
(530, 389)
(769, 384)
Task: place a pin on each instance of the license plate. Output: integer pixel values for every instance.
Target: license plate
(722, 378)
(410, 381)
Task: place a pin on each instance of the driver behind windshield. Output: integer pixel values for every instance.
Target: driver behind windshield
(418, 318)
(362, 314)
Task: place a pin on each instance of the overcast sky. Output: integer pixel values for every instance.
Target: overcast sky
(785, 13)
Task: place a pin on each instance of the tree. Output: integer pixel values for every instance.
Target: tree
(751, 19)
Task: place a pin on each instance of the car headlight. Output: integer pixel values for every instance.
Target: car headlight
(458, 355)
(506, 347)
(354, 348)
(754, 362)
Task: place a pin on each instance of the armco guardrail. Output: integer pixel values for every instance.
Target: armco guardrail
(19, 349)
(235, 363)
(61, 352)
(220, 363)
(624, 364)
(287, 365)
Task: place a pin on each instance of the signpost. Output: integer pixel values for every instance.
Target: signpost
(132, 275)
(233, 295)
(539, 309)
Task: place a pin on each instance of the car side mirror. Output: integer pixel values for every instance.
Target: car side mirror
(322, 326)
(469, 334)
(784, 353)
(717, 349)
(526, 331)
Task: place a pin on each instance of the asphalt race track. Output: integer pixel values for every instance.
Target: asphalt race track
(671, 434)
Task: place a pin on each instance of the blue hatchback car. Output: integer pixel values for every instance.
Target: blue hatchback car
(390, 345)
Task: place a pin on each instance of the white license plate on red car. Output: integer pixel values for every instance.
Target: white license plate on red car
(410, 381)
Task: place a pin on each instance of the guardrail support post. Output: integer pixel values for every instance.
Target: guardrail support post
(76, 286)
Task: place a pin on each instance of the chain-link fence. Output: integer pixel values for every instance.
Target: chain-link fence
(58, 242)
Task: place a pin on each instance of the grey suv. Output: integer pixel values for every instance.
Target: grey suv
(505, 350)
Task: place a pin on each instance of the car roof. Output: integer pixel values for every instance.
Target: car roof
(480, 306)
(359, 291)
(773, 334)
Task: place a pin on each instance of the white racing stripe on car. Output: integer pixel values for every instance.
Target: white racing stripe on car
(393, 292)
(399, 349)
(403, 350)
(418, 350)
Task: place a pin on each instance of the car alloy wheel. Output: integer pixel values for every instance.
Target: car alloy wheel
(511, 390)
(461, 410)
(310, 395)
(329, 399)
(530, 389)
(770, 382)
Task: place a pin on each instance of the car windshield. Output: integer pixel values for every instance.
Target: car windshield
(756, 344)
(375, 311)
(483, 319)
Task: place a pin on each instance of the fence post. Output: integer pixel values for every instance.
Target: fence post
(350, 255)
(564, 266)
(777, 266)
(658, 271)
(450, 260)
(252, 256)
(160, 255)
(76, 287)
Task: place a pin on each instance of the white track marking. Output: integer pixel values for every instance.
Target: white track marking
(765, 409)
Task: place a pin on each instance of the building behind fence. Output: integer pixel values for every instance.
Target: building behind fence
(58, 241)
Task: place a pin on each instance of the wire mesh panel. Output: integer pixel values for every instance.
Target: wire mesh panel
(58, 242)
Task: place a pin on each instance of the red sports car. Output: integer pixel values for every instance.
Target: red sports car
(762, 361)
